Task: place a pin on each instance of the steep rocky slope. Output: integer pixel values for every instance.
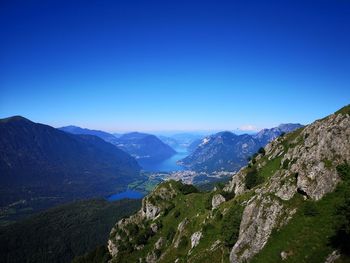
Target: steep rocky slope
(281, 207)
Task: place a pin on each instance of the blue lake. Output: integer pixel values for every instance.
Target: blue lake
(168, 165)
(126, 194)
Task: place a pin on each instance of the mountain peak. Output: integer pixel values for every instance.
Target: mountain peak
(15, 118)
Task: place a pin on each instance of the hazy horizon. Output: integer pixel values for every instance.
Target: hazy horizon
(241, 130)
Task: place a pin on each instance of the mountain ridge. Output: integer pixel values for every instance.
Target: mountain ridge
(143, 147)
(228, 151)
(37, 160)
(78, 130)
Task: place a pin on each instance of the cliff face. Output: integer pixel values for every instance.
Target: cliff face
(307, 167)
(255, 209)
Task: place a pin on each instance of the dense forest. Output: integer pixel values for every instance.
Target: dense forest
(64, 232)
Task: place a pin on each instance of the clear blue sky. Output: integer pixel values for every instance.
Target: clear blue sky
(174, 65)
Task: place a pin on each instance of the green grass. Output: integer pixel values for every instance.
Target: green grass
(344, 110)
(306, 236)
(270, 168)
(144, 186)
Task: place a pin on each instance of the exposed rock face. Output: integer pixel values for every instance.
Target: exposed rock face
(325, 142)
(217, 200)
(180, 229)
(154, 227)
(285, 255)
(160, 242)
(151, 258)
(112, 248)
(259, 218)
(149, 210)
(333, 257)
(237, 184)
(195, 238)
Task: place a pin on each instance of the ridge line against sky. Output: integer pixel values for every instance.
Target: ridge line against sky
(174, 65)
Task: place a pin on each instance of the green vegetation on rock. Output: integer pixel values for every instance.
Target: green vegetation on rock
(316, 229)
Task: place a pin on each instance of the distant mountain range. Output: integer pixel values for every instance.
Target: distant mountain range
(143, 147)
(39, 162)
(229, 152)
(182, 140)
(103, 135)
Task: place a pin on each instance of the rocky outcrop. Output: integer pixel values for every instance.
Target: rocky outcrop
(195, 238)
(217, 200)
(333, 257)
(148, 212)
(160, 243)
(180, 230)
(237, 183)
(259, 218)
(308, 167)
(151, 257)
(326, 144)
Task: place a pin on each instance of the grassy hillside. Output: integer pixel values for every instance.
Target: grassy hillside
(221, 224)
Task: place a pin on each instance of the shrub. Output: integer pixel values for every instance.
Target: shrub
(261, 151)
(157, 252)
(254, 158)
(252, 178)
(187, 189)
(183, 242)
(177, 213)
(220, 185)
(327, 163)
(228, 195)
(207, 227)
(207, 204)
(219, 216)
(168, 208)
(344, 171)
(341, 239)
(230, 225)
(285, 164)
(171, 233)
(132, 228)
(310, 209)
(159, 224)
